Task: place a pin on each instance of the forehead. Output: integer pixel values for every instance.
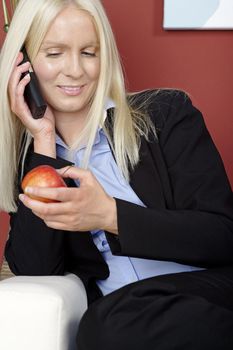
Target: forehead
(72, 23)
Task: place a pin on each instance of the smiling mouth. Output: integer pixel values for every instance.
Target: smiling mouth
(71, 90)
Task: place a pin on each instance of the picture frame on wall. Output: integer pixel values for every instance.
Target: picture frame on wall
(198, 14)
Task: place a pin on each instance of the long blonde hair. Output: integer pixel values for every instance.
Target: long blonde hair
(29, 25)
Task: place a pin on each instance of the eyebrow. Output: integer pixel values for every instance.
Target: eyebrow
(59, 44)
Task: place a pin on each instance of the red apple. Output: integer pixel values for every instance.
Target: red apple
(42, 176)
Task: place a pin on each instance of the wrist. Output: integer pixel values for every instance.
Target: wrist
(45, 146)
(111, 217)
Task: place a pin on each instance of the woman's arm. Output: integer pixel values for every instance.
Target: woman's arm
(32, 247)
(199, 231)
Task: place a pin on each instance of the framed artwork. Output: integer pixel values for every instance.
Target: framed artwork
(198, 14)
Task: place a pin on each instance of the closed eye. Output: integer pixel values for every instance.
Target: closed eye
(53, 54)
(86, 53)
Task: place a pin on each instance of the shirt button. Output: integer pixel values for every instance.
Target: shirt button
(104, 242)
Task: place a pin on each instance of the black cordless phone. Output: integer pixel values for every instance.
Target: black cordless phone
(32, 93)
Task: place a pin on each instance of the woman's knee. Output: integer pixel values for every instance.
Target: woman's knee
(159, 320)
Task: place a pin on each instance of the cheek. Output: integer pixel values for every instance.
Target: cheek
(45, 71)
(94, 70)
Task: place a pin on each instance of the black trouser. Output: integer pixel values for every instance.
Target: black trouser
(183, 311)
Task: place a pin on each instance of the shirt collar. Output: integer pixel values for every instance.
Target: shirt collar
(109, 104)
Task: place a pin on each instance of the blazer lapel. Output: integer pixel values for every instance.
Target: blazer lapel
(145, 179)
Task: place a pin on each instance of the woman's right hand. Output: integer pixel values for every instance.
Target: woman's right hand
(41, 129)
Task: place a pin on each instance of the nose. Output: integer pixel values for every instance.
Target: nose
(73, 66)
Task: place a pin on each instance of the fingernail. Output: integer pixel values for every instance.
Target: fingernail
(21, 197)
(28, 190)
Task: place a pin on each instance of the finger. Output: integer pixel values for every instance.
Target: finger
(21, 86)
(20, 107)
(62, 171)
(56, 225)
(75, 173)
(55, 218)
(14, 81)
(19, 58)
(43, 209)
(16, 74)
(59, 218)
(63, 227)
(62, 194)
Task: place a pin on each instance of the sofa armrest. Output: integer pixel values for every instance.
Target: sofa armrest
(41, 312)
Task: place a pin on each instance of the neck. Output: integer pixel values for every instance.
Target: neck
(69, 126)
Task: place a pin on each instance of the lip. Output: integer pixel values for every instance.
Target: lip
(71, 90)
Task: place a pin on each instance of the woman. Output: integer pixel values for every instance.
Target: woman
(147, 220)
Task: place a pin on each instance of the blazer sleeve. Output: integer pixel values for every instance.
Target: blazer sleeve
(199, 229)
(33, 248)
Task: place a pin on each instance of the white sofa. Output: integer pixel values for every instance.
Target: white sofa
(41, 312)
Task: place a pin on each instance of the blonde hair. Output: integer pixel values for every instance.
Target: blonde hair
(29, 25)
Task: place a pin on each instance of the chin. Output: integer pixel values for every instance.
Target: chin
(68, 108)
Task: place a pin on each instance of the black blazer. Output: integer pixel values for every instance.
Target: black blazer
(180, 178)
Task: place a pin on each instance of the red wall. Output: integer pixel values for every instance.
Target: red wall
(199, 62)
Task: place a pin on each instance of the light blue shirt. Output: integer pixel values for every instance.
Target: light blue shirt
(123, 270)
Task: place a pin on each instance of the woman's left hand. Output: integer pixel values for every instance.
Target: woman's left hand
(83, 208)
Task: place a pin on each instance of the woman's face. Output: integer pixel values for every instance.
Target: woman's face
(68, 63)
